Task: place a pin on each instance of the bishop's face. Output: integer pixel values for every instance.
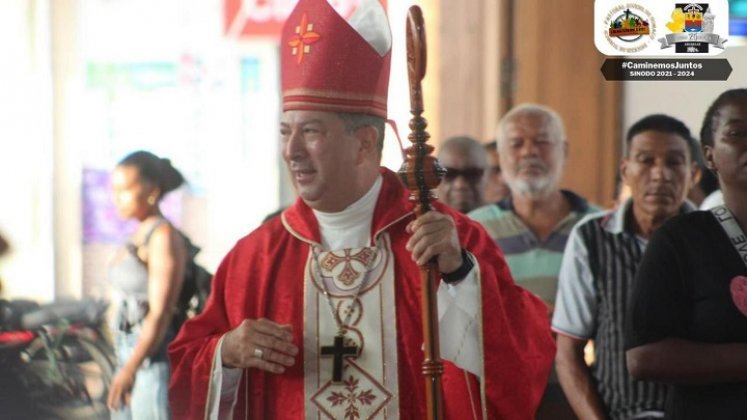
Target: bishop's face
(322, 158)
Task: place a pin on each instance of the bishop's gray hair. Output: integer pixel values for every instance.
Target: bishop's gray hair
(354, 121)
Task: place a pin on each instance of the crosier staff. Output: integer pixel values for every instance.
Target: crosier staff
(421, 173)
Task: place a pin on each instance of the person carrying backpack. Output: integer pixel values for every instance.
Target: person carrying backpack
(147, 275)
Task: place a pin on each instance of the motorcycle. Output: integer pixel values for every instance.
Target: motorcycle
(54, 361)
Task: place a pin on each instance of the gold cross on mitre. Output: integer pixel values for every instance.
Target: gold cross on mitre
(305, 36)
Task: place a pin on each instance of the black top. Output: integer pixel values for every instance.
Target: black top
(682, 290)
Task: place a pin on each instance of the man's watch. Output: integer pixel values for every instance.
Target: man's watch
(461, 272)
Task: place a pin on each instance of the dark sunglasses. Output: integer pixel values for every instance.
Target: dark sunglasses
(470, 174)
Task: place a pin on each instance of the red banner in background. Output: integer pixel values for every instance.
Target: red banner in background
(265, 18)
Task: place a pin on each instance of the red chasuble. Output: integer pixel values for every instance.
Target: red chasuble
(263, 277)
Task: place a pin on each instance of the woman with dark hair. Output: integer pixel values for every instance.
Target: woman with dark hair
(146, 276)
(687, 322)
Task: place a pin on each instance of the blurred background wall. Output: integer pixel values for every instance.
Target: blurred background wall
(84, 82)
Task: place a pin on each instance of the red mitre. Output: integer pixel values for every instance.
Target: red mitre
(328, 66)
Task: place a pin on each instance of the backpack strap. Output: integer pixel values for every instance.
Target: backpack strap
(150, 231)
(135, 248)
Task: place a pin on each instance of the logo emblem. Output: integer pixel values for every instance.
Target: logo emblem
(692, 28)
(693, 17)
(633, 27)
(630, 27)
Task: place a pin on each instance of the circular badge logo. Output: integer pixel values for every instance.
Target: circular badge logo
(629, 28)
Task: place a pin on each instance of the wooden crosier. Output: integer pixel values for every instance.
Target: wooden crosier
(421, 173)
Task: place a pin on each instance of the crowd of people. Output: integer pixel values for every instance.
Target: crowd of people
(316, 313)
(654, 288)
(653, 284)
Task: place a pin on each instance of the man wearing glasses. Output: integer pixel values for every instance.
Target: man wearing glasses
(532, 224)
(465, 162)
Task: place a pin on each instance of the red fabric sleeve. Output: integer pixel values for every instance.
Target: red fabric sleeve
(191, 353)
(518, 344)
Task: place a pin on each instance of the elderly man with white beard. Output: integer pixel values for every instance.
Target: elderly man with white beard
(532, 224)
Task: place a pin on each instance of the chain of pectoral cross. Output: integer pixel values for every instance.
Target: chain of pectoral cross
(339, 350)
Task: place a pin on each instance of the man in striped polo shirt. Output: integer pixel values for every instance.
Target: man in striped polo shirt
(599, 266)
(532, 224)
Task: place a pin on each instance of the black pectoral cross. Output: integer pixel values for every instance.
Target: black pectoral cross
(337, 352)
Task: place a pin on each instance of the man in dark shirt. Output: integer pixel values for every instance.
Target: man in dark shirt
(687, 322)
(598, 269)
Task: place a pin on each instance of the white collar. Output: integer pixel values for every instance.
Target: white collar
(355, 220)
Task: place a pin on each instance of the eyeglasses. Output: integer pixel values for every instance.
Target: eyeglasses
(472, 175)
